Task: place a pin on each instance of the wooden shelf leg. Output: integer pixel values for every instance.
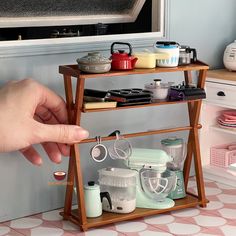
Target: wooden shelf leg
(71, 172)
(194, 113)
(188, 161)
(78, 172)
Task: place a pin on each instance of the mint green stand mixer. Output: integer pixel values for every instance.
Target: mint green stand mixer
(154, 181)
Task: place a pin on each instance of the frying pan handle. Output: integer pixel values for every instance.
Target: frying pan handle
(121, 43)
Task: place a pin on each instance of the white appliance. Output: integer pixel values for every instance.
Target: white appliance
(230, 57)
(121, 186)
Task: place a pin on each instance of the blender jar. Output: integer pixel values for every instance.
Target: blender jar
(121, 185)
(175, 148)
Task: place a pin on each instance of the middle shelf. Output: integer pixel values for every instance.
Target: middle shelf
(140, 106)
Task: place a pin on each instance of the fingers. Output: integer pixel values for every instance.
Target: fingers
(67, 134)
(53, 152)
(51, 101)
(32, 155)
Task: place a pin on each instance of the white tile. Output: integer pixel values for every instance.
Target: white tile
(183, 228)
(210, 191)
(101, 232)
(25, 223)
(228, 213)
(186, 212)
(227, 198)
(4, 230)
(52, 215)
(42, 231)
(67, 225)
(228, 230)
(159, 219)
(209, 221)
(130, 226)
(154, 233)
(223, 186)
(213, 205)
(202, 234)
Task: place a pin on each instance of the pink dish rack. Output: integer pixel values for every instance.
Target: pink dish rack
(223, 155)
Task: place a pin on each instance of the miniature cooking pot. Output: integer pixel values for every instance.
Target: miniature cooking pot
(122, 60)
(94, 62)
(159, 90)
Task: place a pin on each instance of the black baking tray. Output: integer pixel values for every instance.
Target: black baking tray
(122, 96)
(130, 94)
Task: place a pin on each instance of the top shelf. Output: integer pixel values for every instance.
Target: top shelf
(73, 70)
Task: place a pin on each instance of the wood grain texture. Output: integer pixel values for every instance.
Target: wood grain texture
(222, 74)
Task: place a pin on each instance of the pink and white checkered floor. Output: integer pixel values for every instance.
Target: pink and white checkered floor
(219, 218)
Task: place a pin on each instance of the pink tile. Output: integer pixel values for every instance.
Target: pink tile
(212, 231)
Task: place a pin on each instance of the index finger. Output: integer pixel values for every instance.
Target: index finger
(53, 102)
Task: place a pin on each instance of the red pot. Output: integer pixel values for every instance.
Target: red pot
(122, 60)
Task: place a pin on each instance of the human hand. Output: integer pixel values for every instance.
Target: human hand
(30, 114)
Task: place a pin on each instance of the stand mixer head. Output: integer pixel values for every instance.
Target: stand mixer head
(154, 181)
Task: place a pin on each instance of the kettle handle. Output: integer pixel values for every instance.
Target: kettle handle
(194, 59)
(107, 196)
(128, 44)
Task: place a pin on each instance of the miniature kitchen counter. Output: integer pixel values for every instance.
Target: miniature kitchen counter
(221, 90)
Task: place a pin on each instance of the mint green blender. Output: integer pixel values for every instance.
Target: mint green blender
(176, 148)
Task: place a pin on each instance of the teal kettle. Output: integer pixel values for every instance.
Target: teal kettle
(93, 199)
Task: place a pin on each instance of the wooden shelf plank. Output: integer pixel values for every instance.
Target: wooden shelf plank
(140, 106)
(73, 70)
(109, 218)
(145, 133)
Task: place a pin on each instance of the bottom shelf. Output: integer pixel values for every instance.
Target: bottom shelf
(221, 175)
(109, 218)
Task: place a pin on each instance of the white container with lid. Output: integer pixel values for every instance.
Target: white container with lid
(121, 185)
(172, 48)
(147, 59)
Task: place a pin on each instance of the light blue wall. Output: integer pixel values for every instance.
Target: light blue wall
(207, 25)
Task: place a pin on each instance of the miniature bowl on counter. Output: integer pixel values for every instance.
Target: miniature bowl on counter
(59, 175)
(94, 63)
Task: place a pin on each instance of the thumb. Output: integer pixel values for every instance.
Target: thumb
(61, 133)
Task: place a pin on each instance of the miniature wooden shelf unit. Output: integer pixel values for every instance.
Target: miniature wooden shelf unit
(75, 109)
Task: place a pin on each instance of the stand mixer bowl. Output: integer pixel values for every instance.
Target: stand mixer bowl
(157, 185)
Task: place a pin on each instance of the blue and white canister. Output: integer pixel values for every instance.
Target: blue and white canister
(172, 48)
